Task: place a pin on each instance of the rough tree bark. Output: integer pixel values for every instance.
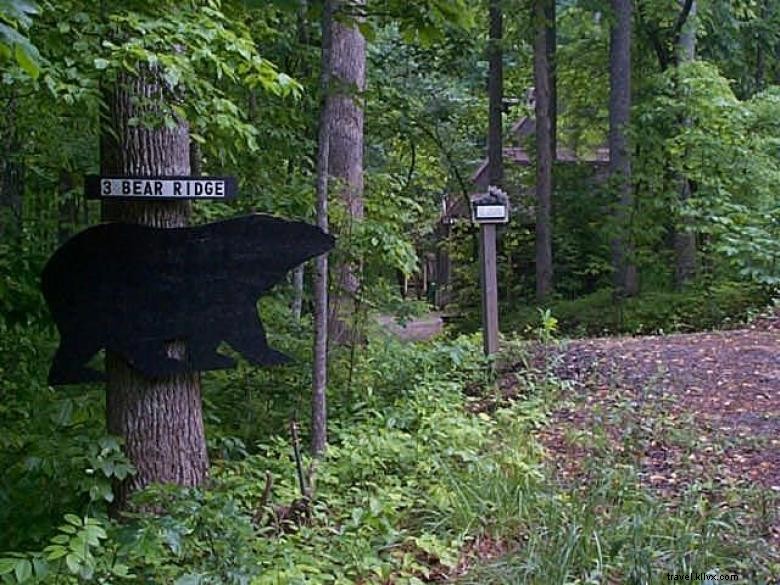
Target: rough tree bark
(761, 42)
(552, 46)
(300, 271)
(297, 302)
(160, 419)
(684, 235)
(319, 412)
(495, 144)
(495, 147)
(66, 206)
(626, 278)
(11, 175)
(345, 163)
(545, 143)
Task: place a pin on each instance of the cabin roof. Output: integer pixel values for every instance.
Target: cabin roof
(520, 156)
(453, 204)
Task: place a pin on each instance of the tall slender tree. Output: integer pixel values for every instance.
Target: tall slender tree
(11, 172)
(625, 273)
(545, 109)
(300, 271)
(681, 37)
(495, 148)
(495, 96)
(552, 48)
(319, 411)
(159, 419)
(345, 163)
(684, 235)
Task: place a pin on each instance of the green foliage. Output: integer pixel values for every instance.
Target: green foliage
(53, 450)
(213, 53)
(700, 307)
(78, 553)
(403, 448)
(423, 22)
(740, 37)
(415, 472)
(15, 20)
(21, 302)
(548, 326)
(728, 149)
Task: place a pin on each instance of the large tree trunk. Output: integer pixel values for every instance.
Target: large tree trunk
(319, 411)
(684, 235)
(626, 279)
(345, 164)
(545, 148)
(159, 419)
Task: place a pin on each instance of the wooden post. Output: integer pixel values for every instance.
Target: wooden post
(489, 281)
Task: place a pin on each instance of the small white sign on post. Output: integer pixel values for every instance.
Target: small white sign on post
(491, 212)
(488, 210)
(493, 207)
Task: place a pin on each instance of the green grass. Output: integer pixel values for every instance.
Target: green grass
(606, 525)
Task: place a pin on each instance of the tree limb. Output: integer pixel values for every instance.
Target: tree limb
(681, 20)
(453, 167)
(653, 33)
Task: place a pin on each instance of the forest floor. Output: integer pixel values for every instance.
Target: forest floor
(415, 329)
(686, 409)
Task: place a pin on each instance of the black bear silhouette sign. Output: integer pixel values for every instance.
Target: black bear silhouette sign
(133, 290)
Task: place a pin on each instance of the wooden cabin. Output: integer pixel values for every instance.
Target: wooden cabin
(437, 268)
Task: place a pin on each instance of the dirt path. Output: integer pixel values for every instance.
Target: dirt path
(699, 407)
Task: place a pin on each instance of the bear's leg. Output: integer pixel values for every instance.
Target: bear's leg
(69, 365)
(204, 356)
(249, 340)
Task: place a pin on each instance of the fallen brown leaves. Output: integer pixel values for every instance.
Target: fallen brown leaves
(695, 408)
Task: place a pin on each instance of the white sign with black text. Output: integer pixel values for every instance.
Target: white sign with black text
(160, 187)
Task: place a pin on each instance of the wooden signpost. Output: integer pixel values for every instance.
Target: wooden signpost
(487, 211)
(132, 289)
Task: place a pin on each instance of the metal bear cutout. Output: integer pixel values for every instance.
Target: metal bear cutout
(132, 289)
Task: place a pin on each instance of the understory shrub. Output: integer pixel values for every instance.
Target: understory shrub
(393, 499)
(418, 473)
(700, 308)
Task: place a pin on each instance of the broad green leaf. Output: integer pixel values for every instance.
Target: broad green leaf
(73, 519)
(27, 62)
(73, 562)
(41, 568)
(23, 570)
(55, 551)
(7, 565)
